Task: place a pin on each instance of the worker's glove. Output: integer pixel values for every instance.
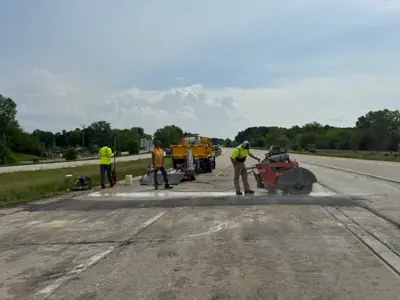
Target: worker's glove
(258, 159)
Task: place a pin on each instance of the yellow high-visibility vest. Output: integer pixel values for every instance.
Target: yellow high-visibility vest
(240, 154)
(105, 155)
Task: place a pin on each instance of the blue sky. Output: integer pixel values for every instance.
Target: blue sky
(213, 67)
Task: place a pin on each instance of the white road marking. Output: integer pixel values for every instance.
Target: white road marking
(219, 173)
(75, 271)
(149, 222)
(161, 194)
(188, 194)
(220, 226)
(92, 260)
(223, 170)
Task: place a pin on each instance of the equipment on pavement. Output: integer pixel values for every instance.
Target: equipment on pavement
(203, 154)
(186, 171)
(82, 183)
(278, 172)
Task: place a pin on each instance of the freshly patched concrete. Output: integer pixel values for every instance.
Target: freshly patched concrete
(200, 241)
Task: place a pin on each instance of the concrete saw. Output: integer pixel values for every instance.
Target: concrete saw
(296, 181)
(278, 172)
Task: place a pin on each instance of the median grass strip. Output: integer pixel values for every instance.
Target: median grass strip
(26, 157)
(22, 187)
(393, 157)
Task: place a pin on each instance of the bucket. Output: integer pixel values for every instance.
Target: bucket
(128, 179)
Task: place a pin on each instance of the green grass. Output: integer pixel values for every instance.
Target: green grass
(22, 187)
(25, 157)
(395, 157)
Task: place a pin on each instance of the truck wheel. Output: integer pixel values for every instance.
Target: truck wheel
(209, 166)
(196, 164)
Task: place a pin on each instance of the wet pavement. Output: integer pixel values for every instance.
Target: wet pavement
(200, 241)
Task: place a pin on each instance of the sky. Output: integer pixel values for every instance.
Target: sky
(211, 67)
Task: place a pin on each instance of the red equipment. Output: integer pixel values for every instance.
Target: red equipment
(287, 176)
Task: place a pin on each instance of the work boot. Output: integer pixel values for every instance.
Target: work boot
(156, 187)
(103, 186)
(168, 187)
(239, 193)
(249, 192)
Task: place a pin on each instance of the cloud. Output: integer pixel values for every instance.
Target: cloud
(220, 112)
(213, 67)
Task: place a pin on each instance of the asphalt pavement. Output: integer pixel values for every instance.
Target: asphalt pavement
(200, 241)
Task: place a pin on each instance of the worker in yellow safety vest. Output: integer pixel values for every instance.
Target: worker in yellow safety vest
(238, 158)
(105, 155)
(157, 157)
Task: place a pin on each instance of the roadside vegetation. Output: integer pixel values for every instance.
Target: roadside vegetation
(22, 187)
(375, 136)
(394, 157)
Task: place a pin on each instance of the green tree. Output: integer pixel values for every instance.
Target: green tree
(6, 156)
(379, 127)
(228, 143)
(394, 140)
(45, 137)
(283, 141)
(99, 133)
(133, 146)
(71, 154)
(128, 140)
(356, 138)
(8, 114)
(168, 135)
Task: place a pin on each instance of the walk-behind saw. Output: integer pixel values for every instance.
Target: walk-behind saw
(278, 172)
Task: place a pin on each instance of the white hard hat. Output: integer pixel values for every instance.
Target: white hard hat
(246, 144)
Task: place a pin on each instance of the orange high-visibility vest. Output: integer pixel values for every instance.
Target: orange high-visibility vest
(158, 157)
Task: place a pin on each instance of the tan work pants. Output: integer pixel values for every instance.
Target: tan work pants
(240, 170)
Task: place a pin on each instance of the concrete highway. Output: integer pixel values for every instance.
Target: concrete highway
(200, 241)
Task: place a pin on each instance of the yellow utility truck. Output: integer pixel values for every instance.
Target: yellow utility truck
(202, 150)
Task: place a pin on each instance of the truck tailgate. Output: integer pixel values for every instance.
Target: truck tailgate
(197, 150)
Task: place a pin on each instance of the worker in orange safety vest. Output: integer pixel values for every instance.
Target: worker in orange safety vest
(157, 157)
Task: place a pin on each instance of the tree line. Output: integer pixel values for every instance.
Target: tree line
(71, 143)
(375, 131)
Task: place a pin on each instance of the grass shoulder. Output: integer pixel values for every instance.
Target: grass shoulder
(22, 187)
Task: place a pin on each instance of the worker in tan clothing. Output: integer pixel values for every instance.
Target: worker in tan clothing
(238, 158)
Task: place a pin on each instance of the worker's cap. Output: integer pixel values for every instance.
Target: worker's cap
(157, 143)
(246, 145)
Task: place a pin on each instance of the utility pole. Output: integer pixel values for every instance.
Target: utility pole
(83, 135)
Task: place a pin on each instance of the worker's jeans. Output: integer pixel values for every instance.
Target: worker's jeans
(240, 170)
(164, 173)
(103, 169)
